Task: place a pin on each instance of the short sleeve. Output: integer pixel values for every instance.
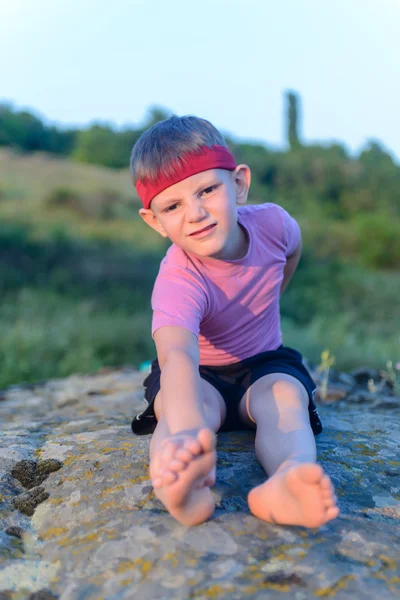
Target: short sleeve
(291, 232)
(179, 300)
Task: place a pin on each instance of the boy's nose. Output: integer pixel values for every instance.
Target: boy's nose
(196, 211)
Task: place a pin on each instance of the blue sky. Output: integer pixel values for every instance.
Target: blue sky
(228, 61)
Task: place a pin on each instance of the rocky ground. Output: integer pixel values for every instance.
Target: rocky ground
(79, 520)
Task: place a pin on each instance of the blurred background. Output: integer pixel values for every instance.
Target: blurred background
(306, 92)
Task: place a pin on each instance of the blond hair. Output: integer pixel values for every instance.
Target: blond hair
(162, 147)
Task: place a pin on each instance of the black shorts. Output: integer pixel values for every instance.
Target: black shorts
(232, 381)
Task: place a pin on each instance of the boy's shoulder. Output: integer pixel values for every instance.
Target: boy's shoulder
(267, 218)
(248, 210)
(272, 225)
(176, 276)
(175, 257)
(176, 263)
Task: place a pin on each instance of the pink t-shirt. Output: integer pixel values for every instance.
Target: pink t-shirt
(231, 306)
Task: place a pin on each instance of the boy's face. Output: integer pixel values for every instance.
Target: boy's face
(199, 214)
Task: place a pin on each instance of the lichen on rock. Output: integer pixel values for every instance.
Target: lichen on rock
(79, 520)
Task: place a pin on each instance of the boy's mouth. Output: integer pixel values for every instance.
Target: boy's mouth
(203, 230)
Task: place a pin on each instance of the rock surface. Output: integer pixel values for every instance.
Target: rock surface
(79, 520)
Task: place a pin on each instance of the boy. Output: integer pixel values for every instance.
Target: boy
(221, 363)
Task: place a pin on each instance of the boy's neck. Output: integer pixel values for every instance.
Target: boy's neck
(241, 246)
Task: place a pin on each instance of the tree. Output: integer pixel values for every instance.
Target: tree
(156, 114)
(22, 130)
(27, 132)
(292, 121)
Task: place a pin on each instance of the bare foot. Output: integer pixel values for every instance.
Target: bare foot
(302, 495)
(182, 471)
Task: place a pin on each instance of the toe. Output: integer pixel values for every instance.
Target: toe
(328, 502)
(184, 455)
(168, 452)
(326, 484)
(157, 482)
(168, 477)
(193, 446)
(176, 465)
(332, 513)
(207, 440)
(309, 473)
(327, 494)
(210, 479)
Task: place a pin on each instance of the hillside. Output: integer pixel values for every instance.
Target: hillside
(77, 266)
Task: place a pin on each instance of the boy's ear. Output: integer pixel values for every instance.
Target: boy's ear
(242, 180)
(150, 218)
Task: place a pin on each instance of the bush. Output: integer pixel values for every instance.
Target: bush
(64, 198)
(378, 240)
(103, 205)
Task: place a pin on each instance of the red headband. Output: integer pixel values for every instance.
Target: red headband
(216, 157)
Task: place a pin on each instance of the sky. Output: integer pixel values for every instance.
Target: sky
(229, 61)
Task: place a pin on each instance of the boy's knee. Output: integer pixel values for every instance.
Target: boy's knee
(277, 392)
(288, 390)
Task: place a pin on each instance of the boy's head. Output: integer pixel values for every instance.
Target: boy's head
(187, 181)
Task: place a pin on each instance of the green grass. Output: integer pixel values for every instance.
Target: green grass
(352, 347)
(29, 178)
(66, 337)
(45, 335)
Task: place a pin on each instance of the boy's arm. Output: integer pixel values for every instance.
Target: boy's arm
(291, 265)
(181, 396)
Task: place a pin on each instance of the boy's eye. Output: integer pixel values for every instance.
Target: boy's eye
(209, 189)
(205, 192)
(170, 208)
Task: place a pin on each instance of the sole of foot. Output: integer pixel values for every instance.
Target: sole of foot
(302, 495)
(185, 492)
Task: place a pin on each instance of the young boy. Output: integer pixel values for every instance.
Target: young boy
(221, 363)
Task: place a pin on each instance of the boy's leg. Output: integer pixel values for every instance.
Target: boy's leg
(298, 492)
(182, 465)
